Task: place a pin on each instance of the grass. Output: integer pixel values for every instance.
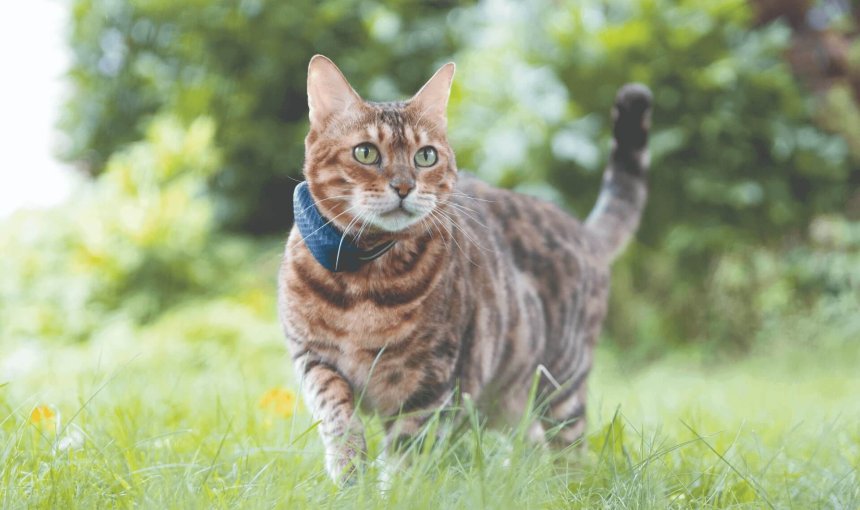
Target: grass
(146, 420)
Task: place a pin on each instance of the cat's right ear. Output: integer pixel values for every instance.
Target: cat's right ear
(432, 99)
(328, 90)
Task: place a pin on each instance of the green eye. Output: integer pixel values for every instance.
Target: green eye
(366, 153)
(426, 156)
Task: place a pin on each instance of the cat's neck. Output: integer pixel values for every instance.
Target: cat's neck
(430, 239)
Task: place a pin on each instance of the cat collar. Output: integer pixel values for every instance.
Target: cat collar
(332, 249)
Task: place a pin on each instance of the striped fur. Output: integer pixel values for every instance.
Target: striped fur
(483, 287)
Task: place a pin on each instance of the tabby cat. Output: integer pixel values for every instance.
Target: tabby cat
(406, 285)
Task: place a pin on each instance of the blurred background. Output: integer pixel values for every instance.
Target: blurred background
(151, 148)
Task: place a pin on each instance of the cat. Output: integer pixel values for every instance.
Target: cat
(405, 284)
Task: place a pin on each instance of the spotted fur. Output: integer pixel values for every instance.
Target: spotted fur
(483, 288)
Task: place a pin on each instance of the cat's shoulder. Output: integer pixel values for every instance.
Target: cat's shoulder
(519, 216)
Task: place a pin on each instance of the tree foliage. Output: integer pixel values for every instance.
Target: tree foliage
(739, 167)
(737, 161)
(244, 65)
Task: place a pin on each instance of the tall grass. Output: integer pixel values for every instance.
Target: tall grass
(166, 424)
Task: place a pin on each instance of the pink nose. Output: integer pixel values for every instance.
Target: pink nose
(402, 186)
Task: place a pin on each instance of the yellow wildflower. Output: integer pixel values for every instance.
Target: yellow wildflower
(43, 416)
(279, 401)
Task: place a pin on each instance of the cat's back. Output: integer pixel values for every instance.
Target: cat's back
(534, 231)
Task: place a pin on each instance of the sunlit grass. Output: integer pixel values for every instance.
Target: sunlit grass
(154, 422)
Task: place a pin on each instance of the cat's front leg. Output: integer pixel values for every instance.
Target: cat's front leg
(402, 434)
(330, 398)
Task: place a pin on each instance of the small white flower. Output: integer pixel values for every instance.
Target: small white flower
(72, 439)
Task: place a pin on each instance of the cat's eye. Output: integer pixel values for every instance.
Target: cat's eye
(426, 156)
(366, 153)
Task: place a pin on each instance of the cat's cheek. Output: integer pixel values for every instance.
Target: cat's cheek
(432, 178)
(352, 173)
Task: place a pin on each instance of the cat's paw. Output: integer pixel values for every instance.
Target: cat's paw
(343, 460)
(632, 116)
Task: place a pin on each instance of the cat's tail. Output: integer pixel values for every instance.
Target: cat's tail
(615, 216)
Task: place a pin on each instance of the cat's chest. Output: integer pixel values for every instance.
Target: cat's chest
(351, 310)
(363, 326)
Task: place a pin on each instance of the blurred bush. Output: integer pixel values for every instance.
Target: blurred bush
(244, 64)
(801, 294)
(736, 158)
(127, 247)
(740, 168)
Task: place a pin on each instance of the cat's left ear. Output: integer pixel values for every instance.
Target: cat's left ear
(432, 100)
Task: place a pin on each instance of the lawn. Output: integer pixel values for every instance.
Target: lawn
(181, 416)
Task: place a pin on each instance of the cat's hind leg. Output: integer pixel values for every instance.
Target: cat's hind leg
(565, 419)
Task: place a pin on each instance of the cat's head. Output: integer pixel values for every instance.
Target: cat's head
(383, 167)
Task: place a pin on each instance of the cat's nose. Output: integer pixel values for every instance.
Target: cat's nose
(402, 185)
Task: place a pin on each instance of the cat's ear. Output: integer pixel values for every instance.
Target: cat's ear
(328, 90)
(432, 100)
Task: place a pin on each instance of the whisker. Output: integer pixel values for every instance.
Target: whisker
(343, 236)
(439, 228)
(455, 204)
(324, 225)
(469, 213)
(466, 195)
(325, 199)
(453, 238)
(364, 224)
(463, 231)
(441, 235)
(459, 206)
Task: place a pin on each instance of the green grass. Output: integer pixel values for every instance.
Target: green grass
(148, 420)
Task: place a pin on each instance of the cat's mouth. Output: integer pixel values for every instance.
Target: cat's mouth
(398, 212)
(396, 219)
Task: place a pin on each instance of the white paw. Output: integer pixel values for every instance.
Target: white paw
(342, 460)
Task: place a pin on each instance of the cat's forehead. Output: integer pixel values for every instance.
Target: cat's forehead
(394, 124)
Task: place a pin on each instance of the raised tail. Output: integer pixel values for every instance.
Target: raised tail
(615, 216)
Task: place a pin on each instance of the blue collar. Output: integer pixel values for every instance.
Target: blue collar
(333, 250)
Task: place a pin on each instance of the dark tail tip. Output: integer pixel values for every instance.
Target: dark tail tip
(632, 116)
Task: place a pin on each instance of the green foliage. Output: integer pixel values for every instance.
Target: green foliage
(739, 167)
(749, 293)
(242, 64)
(771, 289)
(733, 143)
(126, 247)
(736, 158)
